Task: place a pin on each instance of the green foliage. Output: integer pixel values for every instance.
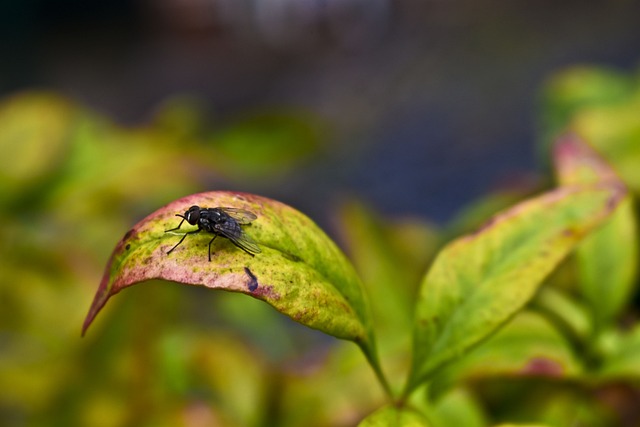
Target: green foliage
(479, 281)
(526, 320)
(606, 277)
(299, 271)
(601, 106)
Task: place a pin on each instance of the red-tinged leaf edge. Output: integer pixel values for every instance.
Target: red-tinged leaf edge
(165, 267)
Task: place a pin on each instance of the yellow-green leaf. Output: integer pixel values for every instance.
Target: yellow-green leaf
(459, 407)
(571, 317)
(528, 346)
(608, 258)
(621, 353)
(480, 280)
(299, 270)
(391, 256)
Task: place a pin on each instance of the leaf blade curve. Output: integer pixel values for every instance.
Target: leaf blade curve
(480, 280)
(300, 271)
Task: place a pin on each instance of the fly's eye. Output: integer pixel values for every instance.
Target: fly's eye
(192, 215)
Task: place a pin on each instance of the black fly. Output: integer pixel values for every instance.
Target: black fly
(223, 222)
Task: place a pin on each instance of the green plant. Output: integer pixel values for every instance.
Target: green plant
(476, 283)
(526, 319)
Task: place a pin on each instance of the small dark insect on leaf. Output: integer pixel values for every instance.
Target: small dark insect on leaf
(220, 221)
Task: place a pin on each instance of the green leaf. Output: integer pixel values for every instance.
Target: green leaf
(390, 416)
(458, 408)
(602, 106)
(567, 314)
(528, 346)
(621, 350)
(578, 88)
(608, 258)
(391, 256)
(300, 271)
(479, 281)
(479, 211)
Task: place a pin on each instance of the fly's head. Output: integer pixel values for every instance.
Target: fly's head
(192, 215)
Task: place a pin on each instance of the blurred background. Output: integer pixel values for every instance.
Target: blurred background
(376, 118)
(401, 95)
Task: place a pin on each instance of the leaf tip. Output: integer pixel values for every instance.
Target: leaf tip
(98, 302)
(572, 153)
(101, 297)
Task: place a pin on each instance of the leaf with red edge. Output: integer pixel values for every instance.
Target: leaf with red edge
(480, 281)
(299, 271)
(608, 258)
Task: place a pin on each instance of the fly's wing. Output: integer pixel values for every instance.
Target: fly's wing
(232, 231)
(240, 215)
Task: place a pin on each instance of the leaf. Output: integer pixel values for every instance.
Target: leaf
(602, 106)
(621, 361)
(390, 416)
(479, 281)
(458, 408)
(571, 317)
(390, 262)
(608, 258)
(391, 256)
(575, 89)
(528, 346)
(300, 271)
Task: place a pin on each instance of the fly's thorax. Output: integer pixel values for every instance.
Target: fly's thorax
(215, 214)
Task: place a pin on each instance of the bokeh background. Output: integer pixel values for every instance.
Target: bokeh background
(364, 114)
(407, 93)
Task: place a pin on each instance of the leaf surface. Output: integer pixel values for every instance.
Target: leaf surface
(479, 281)
(299, 271)
(621, 351)
(528, 346)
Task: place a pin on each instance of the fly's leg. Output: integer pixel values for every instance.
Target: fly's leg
(173, 229)
(183, 236)
(214, 238)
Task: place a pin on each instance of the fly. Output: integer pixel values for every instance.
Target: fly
(220, 221)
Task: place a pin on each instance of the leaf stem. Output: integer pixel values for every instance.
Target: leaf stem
(372, 357)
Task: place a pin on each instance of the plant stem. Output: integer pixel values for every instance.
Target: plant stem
(372, 357)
